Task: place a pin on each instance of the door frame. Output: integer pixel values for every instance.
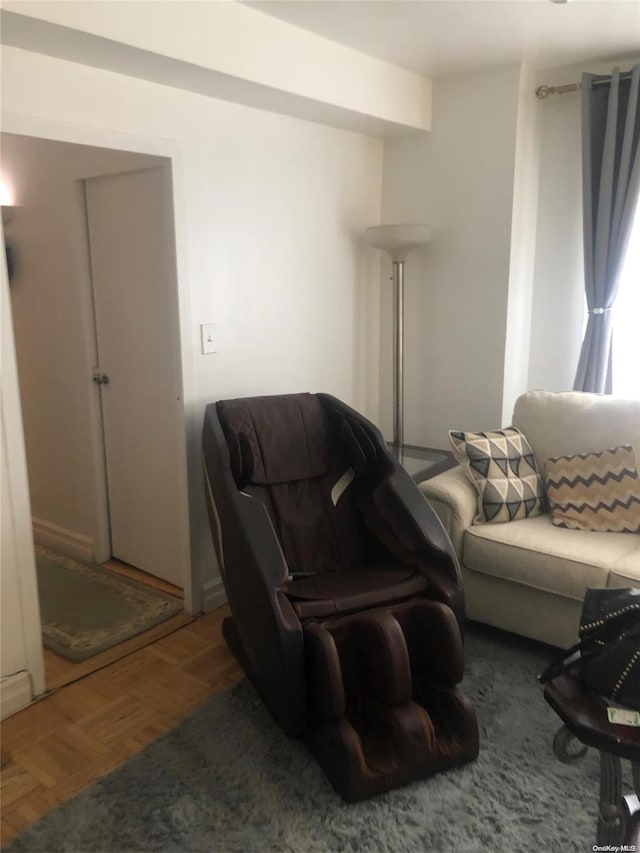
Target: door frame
(60, 131)
(19, 572)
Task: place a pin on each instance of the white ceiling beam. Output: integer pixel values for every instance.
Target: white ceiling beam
(230, 51)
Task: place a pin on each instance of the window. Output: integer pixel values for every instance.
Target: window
(626, 321)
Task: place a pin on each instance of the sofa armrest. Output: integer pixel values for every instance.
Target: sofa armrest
(455, 501)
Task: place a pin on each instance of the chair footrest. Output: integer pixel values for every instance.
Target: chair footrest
(384, 705)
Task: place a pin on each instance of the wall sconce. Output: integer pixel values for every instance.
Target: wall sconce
(8, 212)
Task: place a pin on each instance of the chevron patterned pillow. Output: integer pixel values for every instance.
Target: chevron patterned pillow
(502, 467)
(595, 491)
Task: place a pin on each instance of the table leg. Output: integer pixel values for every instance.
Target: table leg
(610, 815)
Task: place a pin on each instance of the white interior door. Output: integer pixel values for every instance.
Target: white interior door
(136, 315)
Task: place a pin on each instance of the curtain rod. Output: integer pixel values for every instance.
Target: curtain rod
(544, 91)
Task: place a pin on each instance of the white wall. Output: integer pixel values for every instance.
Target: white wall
(270, 217)
(53, 322)
(461, 180)
(558, 304)
(495, 303)
(523, 245)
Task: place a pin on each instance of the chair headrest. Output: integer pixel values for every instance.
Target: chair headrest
(275, 439)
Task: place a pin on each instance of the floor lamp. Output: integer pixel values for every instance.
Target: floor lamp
(398, 241)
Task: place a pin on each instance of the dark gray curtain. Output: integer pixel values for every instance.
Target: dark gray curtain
(610, 186)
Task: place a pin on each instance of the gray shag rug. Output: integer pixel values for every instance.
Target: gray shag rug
(227, 779)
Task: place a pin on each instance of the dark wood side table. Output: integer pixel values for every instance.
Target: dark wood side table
(585, 720)
(423, 463)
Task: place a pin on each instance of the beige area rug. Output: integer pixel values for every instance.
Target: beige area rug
(85, 609)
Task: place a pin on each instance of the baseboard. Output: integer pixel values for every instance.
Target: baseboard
(64, 541)
(213, 596)
(15, 693)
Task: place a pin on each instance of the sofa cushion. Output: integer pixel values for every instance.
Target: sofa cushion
(566, 422)
(534, 553)
(626, 571)
(502, 468)
(595, 491)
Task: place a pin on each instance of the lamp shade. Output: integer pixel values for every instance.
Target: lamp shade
(398, 240)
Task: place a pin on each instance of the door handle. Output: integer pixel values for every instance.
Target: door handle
(101, 378)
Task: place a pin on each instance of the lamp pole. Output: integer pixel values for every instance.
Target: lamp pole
(398, 357)
(398, 241)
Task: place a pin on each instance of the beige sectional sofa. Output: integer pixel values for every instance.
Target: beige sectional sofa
(528, 576)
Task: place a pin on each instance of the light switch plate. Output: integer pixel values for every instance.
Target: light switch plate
(208, 333)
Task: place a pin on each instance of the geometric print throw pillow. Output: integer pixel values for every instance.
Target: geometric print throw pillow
(595, 491)
(502, 467)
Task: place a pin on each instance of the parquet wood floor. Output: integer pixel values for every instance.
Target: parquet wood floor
(60, 671)
(61, 744)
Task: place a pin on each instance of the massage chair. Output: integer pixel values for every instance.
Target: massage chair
(347, 610)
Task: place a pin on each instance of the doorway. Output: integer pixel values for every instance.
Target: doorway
(58, 241)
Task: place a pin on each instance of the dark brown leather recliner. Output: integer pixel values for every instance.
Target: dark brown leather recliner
(347, 608)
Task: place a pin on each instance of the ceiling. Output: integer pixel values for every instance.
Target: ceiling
(438, 37)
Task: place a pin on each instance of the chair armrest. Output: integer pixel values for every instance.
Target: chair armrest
(455, 501)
